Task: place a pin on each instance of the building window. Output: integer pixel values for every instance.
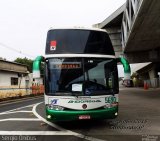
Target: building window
(14, 81)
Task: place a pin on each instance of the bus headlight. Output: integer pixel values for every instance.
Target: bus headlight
(115, 104)
(55, 107)
(110, 105)
(49, 116)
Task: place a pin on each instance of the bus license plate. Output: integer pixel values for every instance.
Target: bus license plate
(84, 117)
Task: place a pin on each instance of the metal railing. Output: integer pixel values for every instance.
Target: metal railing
(129, 16)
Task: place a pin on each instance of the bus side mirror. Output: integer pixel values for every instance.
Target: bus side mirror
(126, 67)
(37, 66)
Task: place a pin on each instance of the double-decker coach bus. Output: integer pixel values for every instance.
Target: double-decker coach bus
(81, 78)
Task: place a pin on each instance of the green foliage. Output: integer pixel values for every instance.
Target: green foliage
(25, 61)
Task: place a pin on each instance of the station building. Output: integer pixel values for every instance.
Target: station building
(114, 25)
(15, 79)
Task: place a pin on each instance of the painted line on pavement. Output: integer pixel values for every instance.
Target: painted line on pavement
(20, 119)
(5, 113)
(40, 117)
(34, 133)
(18, 108)
(62, 129)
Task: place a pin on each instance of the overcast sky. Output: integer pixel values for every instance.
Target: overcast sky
(24, 23)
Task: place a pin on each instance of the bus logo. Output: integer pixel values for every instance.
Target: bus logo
(84, 106)
(84, 101)
(54, 101)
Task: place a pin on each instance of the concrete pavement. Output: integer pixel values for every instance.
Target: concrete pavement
(139, 119)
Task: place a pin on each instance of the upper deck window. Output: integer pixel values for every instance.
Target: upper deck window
(72, 41)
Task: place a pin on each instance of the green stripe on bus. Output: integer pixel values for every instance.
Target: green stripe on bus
(107, 113)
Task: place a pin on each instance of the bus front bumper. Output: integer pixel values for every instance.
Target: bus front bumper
(54, 115)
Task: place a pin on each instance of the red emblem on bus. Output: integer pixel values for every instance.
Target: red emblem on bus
(53, 45)
(84, 106)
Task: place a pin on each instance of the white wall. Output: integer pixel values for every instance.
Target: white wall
(5, 79)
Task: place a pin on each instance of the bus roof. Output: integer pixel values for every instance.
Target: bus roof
(79, 55)
(78, 27)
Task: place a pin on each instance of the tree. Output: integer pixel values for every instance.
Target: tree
(25, 61)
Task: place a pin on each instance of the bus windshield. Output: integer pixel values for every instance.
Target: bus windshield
(81, 76)
(68, 41)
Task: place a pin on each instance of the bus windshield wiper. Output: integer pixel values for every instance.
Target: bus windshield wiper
(68, 93)
(77, 94)
(63, 94)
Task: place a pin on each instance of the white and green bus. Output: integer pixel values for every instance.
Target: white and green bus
(81, 77)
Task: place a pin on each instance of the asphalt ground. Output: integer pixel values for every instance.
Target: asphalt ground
(138, 120)
(13, 104)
